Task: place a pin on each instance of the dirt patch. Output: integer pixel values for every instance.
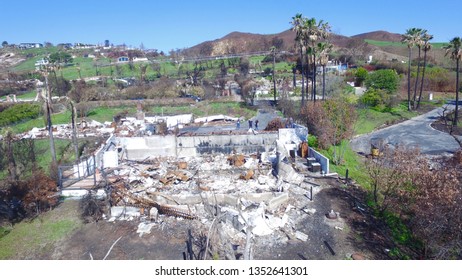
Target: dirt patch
(165, 242)
(353, 232)
(443, 127)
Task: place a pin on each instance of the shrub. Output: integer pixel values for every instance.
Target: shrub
(19, 112)
(360, 76)
(385, 79)
(312, 141)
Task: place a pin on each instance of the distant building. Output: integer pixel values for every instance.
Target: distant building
(40, 63)
(122, 59)
(84, 46)
(65, 45)
(25, 46)
(135, 59)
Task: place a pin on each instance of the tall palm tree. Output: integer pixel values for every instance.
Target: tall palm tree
(315, 31)
(324, 50)
(299, 27)
(426, 47)
(455, 49)
(419, 43)
(409, 39)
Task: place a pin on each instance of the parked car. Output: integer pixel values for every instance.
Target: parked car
(193, 97)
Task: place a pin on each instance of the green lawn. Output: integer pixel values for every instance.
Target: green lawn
(200, 109)
(103, 114)
(369, 120)
(40, 234)
(436, 45)
(61, 118)
(351, 161)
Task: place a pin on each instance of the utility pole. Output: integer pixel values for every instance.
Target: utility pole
(49, 124)
(74, 131)
(273, 50)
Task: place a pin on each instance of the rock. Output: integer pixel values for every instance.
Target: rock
(357, 256)
(332, 215)
(301, 236)
(153, 214)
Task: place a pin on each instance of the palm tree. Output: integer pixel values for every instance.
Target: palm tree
(419, 42)
(409, 39)
(315, 31)
(299, 27)
(324, 49)
(454, 48)
(426, 46)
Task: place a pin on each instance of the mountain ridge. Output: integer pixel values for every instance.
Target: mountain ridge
(246, 42)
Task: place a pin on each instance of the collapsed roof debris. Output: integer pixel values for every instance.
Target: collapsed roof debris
(242, 187)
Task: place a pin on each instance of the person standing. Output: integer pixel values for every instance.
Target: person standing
(250, 124)
(238, 124)
(256, 124)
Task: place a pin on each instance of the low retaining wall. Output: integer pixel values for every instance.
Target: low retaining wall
(139, 148)
(321, 159)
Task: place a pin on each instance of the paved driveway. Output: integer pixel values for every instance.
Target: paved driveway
(412, 133)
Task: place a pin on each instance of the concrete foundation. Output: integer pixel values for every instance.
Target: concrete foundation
(139, 148)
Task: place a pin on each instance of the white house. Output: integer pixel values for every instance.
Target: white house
(40, 63)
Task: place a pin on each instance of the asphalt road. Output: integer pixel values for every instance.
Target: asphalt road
(415, 132)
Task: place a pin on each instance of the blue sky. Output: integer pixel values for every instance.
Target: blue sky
(167, 25)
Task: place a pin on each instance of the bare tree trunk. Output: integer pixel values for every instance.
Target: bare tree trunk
(10, 155)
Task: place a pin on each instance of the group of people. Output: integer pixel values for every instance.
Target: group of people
(251, 124)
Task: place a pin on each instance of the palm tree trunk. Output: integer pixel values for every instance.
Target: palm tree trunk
(409, 81)
(423, 76)
(456, 112)
(303, 76)
(323, 82)
(294, 80)
(274, 76)
(314, 80)
(416, 81)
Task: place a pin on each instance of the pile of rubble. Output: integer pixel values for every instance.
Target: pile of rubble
(238, 196)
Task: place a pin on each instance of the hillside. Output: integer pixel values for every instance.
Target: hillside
(379, 36)
(240, 42)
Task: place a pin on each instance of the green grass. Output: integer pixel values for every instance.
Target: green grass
(27, 95)
(88, 66)
(384, 43)
(103, 114)
(40, 234)
(61, 118)
(351, 161)
(436, 45)
(201, 109)
(64, 152)
(27, 65)
(369, 119)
